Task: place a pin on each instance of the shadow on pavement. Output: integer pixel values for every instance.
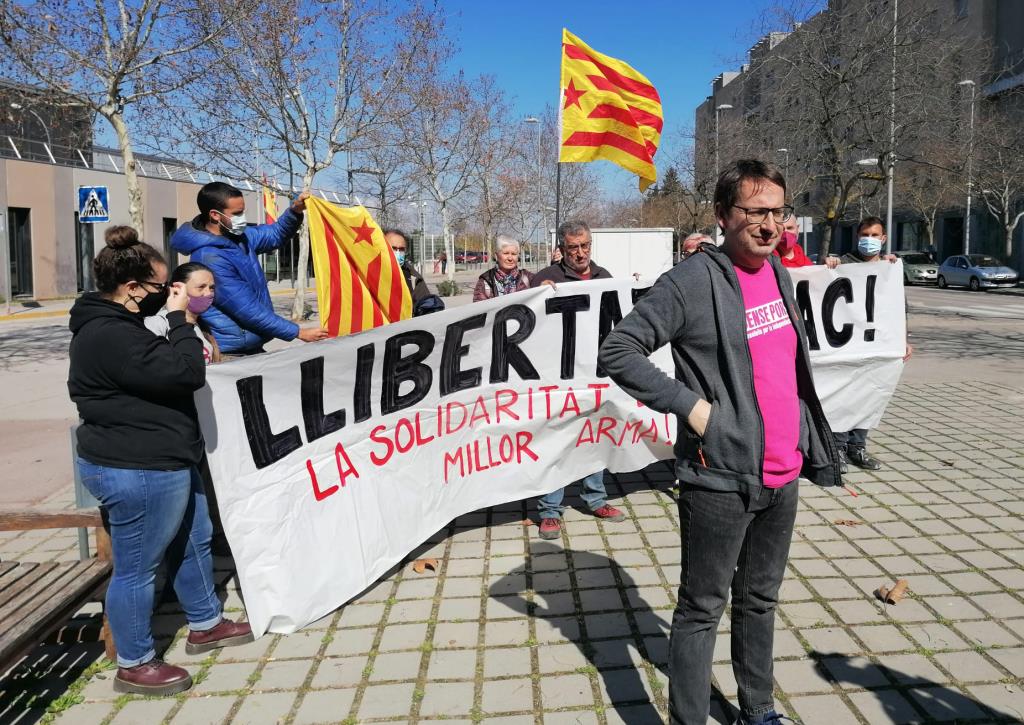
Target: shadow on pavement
(939, 702)
(20, 344)
(956, 343)
(620, 659)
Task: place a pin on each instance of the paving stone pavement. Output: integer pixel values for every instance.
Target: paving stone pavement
(513, 629)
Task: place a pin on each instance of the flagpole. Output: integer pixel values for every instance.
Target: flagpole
(558, 194)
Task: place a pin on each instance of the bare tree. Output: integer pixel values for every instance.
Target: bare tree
(689, 205)
(497, 179)
(386, 175)
(1000, 173)
(447, 136)
(111, 55)
(823, 92)
(930, 187)
(291, 95)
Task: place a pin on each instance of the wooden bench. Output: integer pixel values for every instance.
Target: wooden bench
(36, 599)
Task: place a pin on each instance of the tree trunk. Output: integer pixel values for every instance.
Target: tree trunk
(131, 175)
(301, 281)
(449, 246)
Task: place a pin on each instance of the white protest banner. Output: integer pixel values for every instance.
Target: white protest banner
(856, 325)
(333, 461)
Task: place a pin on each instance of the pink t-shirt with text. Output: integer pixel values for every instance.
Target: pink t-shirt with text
(772, 341)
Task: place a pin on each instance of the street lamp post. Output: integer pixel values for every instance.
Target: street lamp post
(970, 181)
(718, 108)
(42, 125)
(540, 213)
(890, 233)
(423, 232)
(785, 163)
(865, 162)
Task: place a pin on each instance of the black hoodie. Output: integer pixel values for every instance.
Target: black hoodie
(134, 389)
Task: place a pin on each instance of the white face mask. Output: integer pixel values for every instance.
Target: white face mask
(238, 223)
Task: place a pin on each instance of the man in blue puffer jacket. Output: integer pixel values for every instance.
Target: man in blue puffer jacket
(242, 317)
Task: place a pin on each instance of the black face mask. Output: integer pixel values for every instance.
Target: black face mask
(151, 303)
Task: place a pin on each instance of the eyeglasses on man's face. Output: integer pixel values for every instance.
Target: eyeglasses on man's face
(757, 216)
(577, 248)
(160, 286)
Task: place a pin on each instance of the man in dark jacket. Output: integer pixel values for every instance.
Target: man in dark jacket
(575, 242)
(242, 318)
(575, 265)
(399, 243)
(749, 423)
(870, 246)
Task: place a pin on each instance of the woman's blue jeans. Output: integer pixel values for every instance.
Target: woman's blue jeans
(154, 515)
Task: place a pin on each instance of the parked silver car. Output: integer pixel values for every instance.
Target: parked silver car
(977, 271)
(918, 267)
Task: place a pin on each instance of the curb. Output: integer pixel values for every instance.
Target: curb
(33, 315)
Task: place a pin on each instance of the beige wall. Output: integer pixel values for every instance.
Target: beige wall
(51, 193)
(33, 186)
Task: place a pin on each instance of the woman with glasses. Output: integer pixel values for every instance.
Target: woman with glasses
(138, 447)
(505, 277)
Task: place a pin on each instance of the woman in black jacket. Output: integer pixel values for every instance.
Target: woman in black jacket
(138, 446)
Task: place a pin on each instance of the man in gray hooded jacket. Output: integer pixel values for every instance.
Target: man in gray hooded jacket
(749, 425)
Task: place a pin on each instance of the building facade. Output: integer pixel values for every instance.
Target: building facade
(748, 109)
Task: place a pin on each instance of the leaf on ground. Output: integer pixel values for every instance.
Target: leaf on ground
(894, 595)
(847, 522)
(421, 565)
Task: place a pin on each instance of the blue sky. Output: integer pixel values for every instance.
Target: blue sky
(680, 46)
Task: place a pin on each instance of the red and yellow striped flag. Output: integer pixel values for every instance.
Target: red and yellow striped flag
(269, 203)
(608, 111)
(359, 284)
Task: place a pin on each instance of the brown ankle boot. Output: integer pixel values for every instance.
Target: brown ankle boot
(155, 677)
(225, 634)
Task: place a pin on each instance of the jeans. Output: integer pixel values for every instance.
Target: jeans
(154, 515)
(729, 540)
(594, 495)
(856, 438)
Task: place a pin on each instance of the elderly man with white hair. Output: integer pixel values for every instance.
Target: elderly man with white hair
(692, 243)
(505, 277)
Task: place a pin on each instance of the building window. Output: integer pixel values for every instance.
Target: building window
(960, 8)
(19, 240)
(85, 251)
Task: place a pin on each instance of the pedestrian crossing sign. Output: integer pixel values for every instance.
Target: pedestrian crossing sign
(92, 204)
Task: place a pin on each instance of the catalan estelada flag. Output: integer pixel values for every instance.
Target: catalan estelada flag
(269, 203)
(607, 111)
(359, 284)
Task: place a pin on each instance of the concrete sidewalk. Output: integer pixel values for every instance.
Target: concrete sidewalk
(517, 630)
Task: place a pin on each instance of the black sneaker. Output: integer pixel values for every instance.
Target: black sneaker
(860, 458)
(843, 460)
